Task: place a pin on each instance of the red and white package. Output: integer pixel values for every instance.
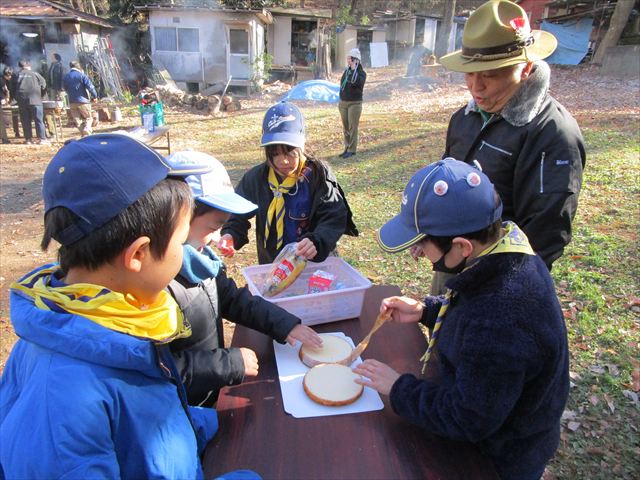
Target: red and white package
(320, 281)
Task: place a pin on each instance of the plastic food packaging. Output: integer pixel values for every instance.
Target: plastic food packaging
(285, 270)
(320, 281)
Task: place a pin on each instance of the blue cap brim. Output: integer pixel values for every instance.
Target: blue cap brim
(229, 202)
(293, 139)
(394, 236)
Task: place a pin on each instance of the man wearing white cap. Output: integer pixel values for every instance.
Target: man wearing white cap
(526, 142)
(350, 106)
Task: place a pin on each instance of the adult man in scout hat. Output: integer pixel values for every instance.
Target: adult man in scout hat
(498, 357)
(526, 142)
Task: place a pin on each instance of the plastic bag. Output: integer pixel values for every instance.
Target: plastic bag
(285, 270)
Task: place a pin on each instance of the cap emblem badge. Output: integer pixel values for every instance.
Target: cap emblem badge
(440, 188)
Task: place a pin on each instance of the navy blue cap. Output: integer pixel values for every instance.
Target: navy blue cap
(444, 199)
(100, 175)
(283, 123)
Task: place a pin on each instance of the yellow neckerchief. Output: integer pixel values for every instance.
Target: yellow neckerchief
(161, 321)
(276, 209)
(513, 241)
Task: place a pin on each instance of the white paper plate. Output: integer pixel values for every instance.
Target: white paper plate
(291, 371)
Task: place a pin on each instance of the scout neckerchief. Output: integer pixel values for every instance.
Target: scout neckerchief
(161, 321)
(513, 241)
(276, 210)
(347, 74)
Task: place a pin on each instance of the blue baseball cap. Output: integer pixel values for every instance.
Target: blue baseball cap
(283, 123)
(100, 175)
(213, 188)
(444, 199)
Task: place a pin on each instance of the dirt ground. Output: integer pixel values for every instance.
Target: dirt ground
(581, 89)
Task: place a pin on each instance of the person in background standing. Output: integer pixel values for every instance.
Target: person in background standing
(350, 106)
(81, 93)
(4, 100)
(56, 72)
(7, 95)
(29, 88)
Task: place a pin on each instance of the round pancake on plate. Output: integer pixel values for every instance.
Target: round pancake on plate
(334, 350)
(332, 384)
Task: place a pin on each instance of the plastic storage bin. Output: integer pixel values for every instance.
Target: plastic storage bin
(323, 307)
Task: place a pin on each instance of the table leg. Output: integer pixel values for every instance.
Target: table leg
(168, 142)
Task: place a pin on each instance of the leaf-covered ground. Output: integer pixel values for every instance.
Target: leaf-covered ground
(403, 128)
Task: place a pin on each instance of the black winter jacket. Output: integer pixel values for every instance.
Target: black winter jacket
(204, 364)
(330, 216)
(502, 363)
(534, 154)
(352, 91)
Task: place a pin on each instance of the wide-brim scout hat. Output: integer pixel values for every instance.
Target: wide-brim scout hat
(498, 35)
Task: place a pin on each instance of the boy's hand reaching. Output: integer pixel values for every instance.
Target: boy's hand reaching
(306, 249)
(250, 362)
(225, 245)
(304, 334)
(380, 376)
(403, 309)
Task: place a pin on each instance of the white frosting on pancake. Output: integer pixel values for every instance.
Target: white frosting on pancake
(334, 350)
(332, 384)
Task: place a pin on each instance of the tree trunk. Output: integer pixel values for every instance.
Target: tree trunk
(442, 42)
(617, 23)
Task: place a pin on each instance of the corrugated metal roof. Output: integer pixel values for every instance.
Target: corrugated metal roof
(46, 10)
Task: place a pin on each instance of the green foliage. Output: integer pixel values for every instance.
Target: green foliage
(260, 69)
(344, 16)
(253, 3)
(364, 20)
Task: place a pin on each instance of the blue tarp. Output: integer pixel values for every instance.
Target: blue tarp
(573, 41)
(319, 90)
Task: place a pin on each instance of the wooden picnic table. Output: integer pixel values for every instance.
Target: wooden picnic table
(256, 433)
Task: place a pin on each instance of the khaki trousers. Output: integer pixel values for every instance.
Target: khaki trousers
(81, 115)
(350, 114)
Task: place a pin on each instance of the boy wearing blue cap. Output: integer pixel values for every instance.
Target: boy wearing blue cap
(298, 197)
(90, 389)
(501, 375)
(206, 295)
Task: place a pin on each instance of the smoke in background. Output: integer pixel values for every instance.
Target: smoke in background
(15, 46)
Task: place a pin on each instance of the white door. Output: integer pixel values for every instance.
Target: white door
(238, 58)
(430, 33)
(282, 41)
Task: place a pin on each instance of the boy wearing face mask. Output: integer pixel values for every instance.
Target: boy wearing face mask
(499, 371)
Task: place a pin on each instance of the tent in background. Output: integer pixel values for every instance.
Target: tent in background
(318, 90)
(573, 40)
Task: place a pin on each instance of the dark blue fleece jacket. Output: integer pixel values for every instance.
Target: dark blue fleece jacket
(502, 376)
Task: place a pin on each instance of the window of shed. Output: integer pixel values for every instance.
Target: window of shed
(188, 40)
(165, 39)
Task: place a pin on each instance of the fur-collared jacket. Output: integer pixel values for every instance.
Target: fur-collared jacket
(501, 373)
(534, 154)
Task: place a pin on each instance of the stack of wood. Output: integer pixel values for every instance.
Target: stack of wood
(211, 104)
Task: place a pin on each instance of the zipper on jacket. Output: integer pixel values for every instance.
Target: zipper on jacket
(542, 173)
(493, 147)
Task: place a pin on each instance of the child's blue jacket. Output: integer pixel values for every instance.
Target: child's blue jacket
(78, 400)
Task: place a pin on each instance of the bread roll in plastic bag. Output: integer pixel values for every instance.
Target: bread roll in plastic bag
(285, 270)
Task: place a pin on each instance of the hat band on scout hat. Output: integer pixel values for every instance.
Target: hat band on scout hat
(494, 53)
